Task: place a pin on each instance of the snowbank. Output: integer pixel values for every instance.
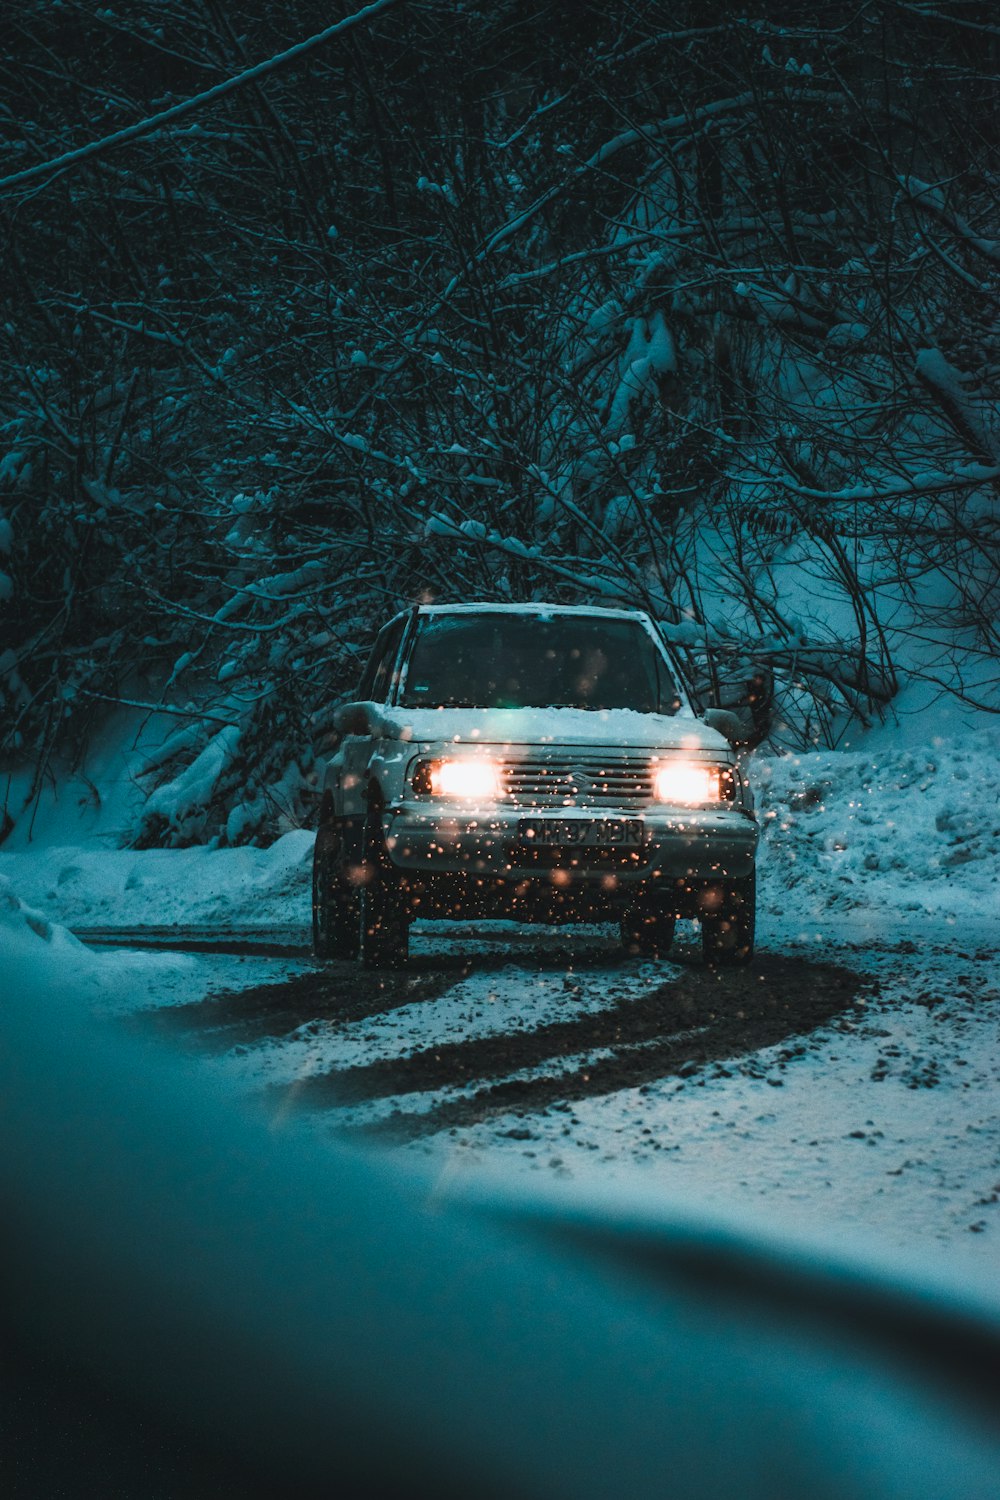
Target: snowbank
(913, 830)
(36, 951)
(89, 886)
(27, 933)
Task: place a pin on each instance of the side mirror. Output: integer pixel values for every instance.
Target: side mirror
(352, 718)
(727, 724)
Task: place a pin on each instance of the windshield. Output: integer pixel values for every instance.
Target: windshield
(499, 660)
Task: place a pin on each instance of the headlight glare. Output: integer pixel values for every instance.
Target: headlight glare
(686, 782)
(473, 780)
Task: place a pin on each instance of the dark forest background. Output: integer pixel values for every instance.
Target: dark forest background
(679, 304)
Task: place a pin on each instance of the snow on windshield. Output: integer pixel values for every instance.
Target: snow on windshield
(494, 660)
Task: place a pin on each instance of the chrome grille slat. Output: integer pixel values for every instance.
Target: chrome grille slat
(578, 780)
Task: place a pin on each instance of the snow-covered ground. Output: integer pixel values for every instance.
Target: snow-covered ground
(87, 885)
(877, 1128)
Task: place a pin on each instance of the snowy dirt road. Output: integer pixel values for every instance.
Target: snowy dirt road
(844, 1084)
(462, 1037)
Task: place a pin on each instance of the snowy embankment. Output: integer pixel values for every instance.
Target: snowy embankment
(23, 929)
(84, 885)
(901, 831)
(879, 1126)
(32, 943)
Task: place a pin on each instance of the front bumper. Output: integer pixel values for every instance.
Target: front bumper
(677, 843)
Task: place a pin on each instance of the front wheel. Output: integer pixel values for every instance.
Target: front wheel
(727, 931)
(385, 919)
(334, 903)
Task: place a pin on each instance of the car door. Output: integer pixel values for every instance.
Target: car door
(375, 687)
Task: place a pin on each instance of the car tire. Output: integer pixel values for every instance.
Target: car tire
(727, 934)
(648, 930)
(334, 901)
(385, 919)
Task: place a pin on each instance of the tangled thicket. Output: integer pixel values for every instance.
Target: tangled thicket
(636, 301)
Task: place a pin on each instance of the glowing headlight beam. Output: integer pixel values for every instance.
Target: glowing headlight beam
(686, 782)
(465, 778)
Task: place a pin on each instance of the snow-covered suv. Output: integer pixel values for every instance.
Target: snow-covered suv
(536, 762)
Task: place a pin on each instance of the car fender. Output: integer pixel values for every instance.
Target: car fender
(362, 774)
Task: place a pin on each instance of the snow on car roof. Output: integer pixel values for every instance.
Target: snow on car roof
(532, 608)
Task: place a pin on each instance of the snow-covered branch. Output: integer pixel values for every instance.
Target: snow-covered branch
(164, 117)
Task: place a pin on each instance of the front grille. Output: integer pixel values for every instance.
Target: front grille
(578, 781)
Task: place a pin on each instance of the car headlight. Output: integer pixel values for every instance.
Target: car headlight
(472, 780)
(687, 782)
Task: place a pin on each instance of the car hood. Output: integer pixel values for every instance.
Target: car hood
(549, 726)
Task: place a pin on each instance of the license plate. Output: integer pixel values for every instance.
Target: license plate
(603, 833)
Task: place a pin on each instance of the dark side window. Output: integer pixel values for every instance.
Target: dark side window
(377, 676)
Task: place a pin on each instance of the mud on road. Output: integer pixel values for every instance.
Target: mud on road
(696, 1021)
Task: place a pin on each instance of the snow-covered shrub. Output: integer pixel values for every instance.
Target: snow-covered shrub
(248, 782)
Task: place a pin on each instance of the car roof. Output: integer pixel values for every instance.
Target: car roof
(610, 613)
